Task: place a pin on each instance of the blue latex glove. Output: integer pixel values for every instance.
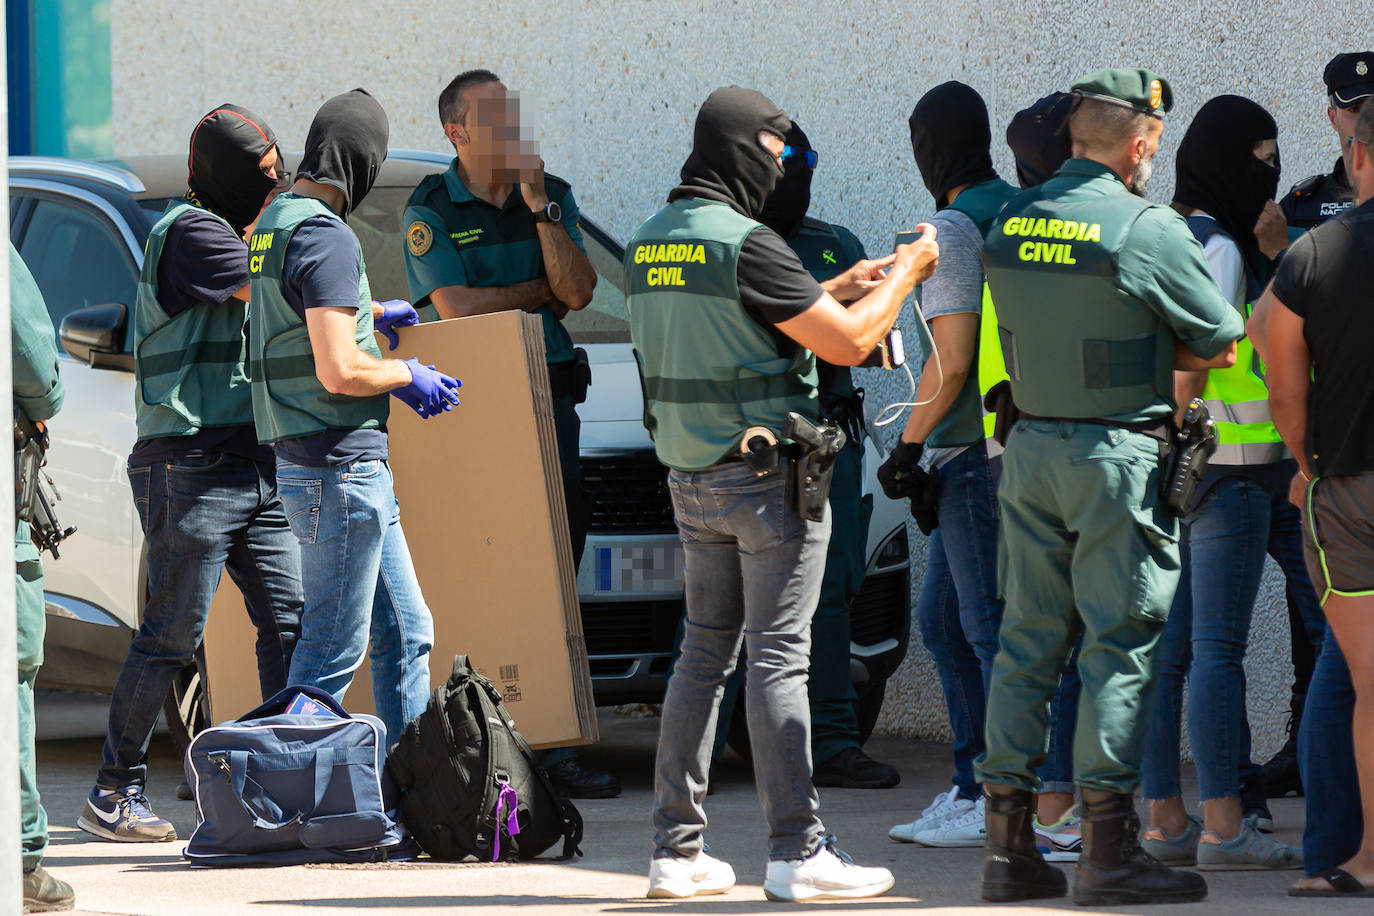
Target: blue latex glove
(396, 313)
(429, 391)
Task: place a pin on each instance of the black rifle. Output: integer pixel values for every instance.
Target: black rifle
(34, 492)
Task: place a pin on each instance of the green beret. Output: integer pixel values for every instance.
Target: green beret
(1139, 89)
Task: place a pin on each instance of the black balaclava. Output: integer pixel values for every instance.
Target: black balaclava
(791, 197)
(223, 165)
(951, 139)
(727, 163)
(1216, 170)
(1039, 138)
(346, 146)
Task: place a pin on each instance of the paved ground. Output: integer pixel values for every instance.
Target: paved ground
(153, 879)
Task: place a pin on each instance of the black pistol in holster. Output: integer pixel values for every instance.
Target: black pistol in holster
(1193, 444)
(999, 403)
(34, 492)
(813, 467)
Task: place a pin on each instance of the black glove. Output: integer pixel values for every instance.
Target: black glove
(925, 505)
(901, 475)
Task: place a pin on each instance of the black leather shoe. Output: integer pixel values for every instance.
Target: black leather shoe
(1013, 868)
(573, 780)
(851, 768)
(1113, 869)
(45, 894)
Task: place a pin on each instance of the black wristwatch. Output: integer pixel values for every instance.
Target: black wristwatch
(550, 214)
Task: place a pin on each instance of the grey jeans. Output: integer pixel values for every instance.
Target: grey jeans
(753, 570)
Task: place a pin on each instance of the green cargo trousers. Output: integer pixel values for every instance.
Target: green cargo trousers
(30, 623)
(1085, 546)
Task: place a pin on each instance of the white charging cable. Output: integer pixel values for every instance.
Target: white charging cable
(897, 408)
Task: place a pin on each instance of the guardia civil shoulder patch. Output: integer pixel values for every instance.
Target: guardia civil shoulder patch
(419, 237)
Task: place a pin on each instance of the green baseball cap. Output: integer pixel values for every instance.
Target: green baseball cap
(1134, 88)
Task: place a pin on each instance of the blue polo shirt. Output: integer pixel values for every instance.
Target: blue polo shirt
(456, 239)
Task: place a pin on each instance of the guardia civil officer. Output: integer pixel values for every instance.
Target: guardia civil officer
(827, 251)
(38, 394)
(320, 396)
(958, 610)
(726, 326)
(1349, 80)
(496, 233)
(1100, 295)
(205, 489)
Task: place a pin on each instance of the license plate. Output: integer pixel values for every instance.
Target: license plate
(655, 568)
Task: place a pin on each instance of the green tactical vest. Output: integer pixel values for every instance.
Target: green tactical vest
(1237, 397)
(709, 370)
(825, 254)
(1075, 345)
(189, 369)
(288, 399)
(967, 423)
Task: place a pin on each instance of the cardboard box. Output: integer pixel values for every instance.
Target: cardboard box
(482, 507)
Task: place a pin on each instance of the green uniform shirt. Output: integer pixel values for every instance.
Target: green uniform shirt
(456, 239)
(826, 251)
(1071, 265)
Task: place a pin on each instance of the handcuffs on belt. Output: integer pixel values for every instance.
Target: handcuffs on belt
(809, 459)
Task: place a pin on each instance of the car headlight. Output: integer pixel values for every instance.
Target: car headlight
(895, 550)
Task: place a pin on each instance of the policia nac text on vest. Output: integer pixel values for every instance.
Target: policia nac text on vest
(1091, 341)
(732, 348)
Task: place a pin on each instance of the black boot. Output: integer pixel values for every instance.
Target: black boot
(1281, 772)
(1013, 868)
(1113, 869)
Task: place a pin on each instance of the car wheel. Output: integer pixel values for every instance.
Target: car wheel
(184, 707)
(870, 704)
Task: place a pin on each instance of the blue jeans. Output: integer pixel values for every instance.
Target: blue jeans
(753, 572)
(200, 517)
(1225, 540)
(1326, 758)
(360, 587)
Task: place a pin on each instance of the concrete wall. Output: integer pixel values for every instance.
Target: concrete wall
(611, 90)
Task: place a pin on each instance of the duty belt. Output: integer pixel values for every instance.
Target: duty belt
(1156, 429)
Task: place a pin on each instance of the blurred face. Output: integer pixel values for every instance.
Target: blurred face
(1147, 144)
(1343, 122)
(488, 139)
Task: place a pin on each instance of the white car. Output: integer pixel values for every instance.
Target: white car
(80, 227)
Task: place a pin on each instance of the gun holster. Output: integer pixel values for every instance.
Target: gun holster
(581, 375)
(812, 468)
(34, 492)
(999, 403)
(1185, 458)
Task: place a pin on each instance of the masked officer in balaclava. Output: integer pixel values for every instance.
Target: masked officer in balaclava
(321, 397)
(727, 326)
(205, 489)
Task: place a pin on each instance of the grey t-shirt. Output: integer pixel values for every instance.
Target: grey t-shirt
(956, 287)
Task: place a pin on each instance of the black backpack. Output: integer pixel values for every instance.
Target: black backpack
(469, 786)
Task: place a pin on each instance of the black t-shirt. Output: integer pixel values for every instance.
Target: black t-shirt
(773, 284)
(202, 263)
(322, 268)
(1327, 278)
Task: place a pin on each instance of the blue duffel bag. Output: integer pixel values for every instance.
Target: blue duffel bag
(278, 787)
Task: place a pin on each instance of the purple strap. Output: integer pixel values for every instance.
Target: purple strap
(511, 799)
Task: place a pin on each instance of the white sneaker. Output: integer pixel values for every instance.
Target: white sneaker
(828, 874)
(964, 828)
(944, 805)
(679, 877)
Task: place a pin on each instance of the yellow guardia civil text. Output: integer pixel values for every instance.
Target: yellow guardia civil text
(1049, 240)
